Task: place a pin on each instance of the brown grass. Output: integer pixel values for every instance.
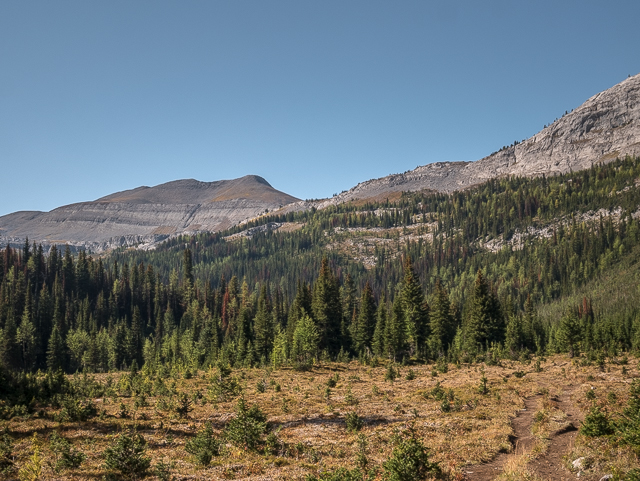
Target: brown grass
(313, 426)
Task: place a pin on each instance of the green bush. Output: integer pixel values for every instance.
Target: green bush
(353, 422)
(65, 457)
(596, 423)
(184, 405)
(261, 387)
(75, 410)
(126, 456)
(223, 385)
(438, 392)
(6, 452)
(248, 427)
(391, 374)
(409, 461)
(630, 422)
(204, 446)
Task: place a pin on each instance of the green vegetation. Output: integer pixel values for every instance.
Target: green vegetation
(511, 269)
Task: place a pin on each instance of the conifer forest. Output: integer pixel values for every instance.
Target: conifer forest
(374, 315)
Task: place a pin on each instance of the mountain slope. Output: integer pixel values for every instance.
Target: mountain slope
(147, 214)
(606, 126)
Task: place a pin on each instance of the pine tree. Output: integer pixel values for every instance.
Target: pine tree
(378, 343)
(26, 339)
(395, 337)
(479, 318)
(415, 310)
(569, 333)
(362, 329)
(442, 322)
(326, 309)
(305, 341)
(263, 326)
(56, 351)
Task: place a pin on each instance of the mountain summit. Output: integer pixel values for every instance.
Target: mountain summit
(147, 214)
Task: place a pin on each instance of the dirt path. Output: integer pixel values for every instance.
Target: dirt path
(548, 466)
(522, 441)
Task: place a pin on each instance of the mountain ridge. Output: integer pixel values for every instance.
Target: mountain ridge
(606, 126)
(146, 215)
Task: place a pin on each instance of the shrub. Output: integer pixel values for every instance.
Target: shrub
(409, 461)
(630, 423)
(438, 392)
(76, 410)
(65, 457)
(6, 452)
(162, 471)
(184, 405)
(126, 456)
(411, 375)
(353, 422)
(261, 387)
(442, 365)
(483, 388)
(204, 445)
(272, 444)
(391, 373)
(248, 427)
(32, 468)
(349, 398)
(596, 423)
(223, 385)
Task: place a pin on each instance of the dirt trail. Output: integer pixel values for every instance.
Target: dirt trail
(522, 440)
(548, 466)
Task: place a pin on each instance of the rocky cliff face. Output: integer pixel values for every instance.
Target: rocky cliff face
(605, 127)
(147, 214)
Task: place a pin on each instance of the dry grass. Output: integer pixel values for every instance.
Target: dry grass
(312, 425)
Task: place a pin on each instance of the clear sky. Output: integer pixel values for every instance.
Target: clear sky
(315, 96)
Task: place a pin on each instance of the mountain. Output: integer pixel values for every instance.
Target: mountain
(147, 214)
(603, 128)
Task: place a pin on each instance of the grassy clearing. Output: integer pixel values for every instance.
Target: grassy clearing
(307, 416)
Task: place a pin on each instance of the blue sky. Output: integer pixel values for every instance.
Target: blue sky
(98, 97)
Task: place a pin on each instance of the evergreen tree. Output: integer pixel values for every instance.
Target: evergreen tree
(569, 333)
(442, 322)
(56, 351)
(378, 344)
(362, 329)
(263, 326)
(415, 310)
(326, 309)
(305, 341)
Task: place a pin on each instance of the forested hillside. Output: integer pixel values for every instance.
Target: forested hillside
(457, 275)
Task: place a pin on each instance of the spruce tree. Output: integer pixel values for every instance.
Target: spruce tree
(362, 330)
(326, 309)
(442, 322)
(263, 326)
(415, 310)
(378, 343)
